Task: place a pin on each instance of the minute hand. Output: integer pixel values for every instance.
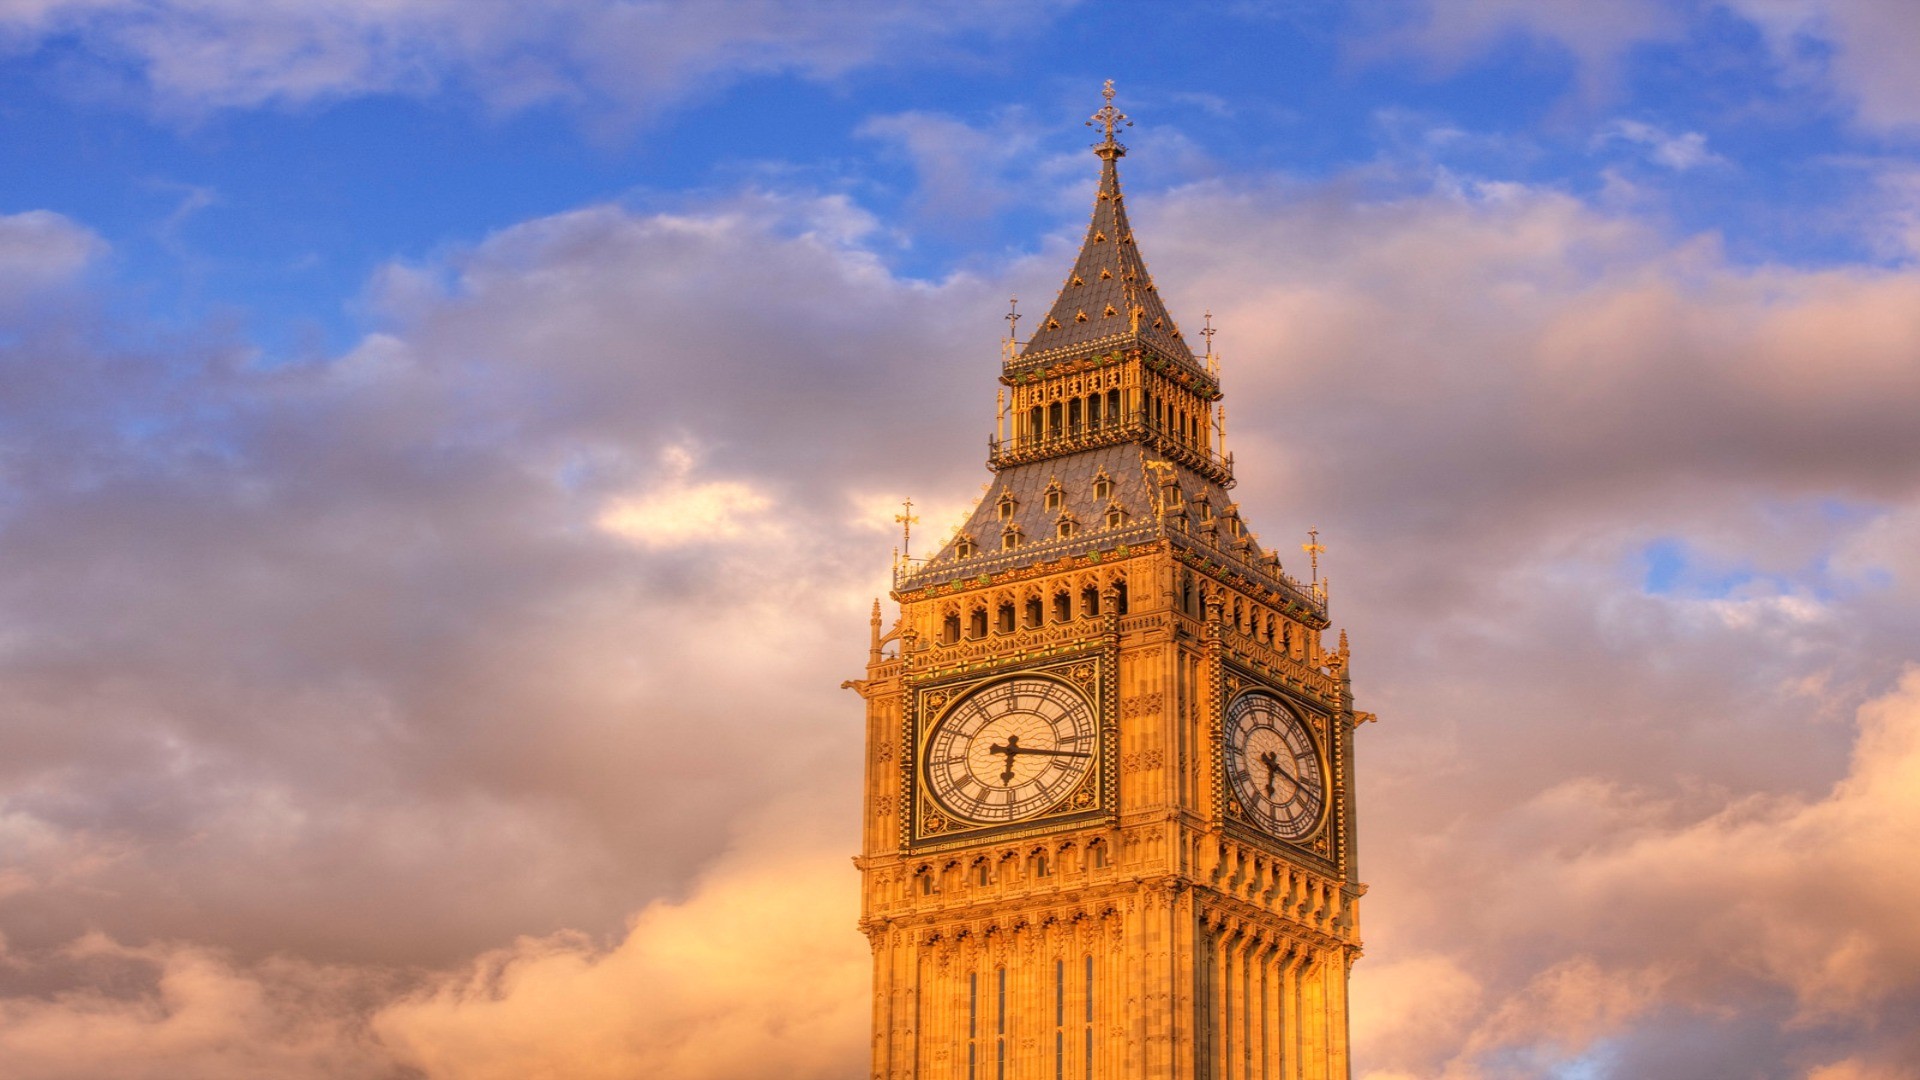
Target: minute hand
(1049, 753)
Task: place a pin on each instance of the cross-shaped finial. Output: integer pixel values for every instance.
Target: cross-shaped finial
(1208, 332)
(1013, 319)
(907, 522)
(1109, 117)
(1313, 547)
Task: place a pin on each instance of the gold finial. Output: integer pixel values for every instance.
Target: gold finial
(907, 522)
(1107, 119)
(1313, 547)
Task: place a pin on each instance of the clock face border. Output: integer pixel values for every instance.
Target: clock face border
(1326, 845)
(929, 826)
(1289, 717)
(1014, 714)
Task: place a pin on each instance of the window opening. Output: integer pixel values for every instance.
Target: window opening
(1059, 1020)
(973, 1024)
(1036, 612)
(1000, 1033)
(950, 628)
(1088, 1021)
(1089, 602)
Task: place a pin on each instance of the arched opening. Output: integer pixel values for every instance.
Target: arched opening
(1097, 854)
(1053, 420)
(1113, 406)
(1003, 617)
(1089, 602)
(950, 628)
(977, 623)
(1073, 417)
(1034, 420)
(1120, 597)
(1062, 606)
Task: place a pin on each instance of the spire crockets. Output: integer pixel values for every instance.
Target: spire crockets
(1109, 301)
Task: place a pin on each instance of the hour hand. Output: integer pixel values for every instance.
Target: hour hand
(1053, 753)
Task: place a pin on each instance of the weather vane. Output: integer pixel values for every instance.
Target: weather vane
(1109, 117)
(1208, 331)
(1313, 547)
(1013, 320)
(907, 522)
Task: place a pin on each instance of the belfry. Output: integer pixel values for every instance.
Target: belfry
(1108, 815)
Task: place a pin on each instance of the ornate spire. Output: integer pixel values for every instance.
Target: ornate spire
(1109, 117)
(1109, 300)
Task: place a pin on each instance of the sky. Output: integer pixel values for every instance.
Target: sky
(448, 453)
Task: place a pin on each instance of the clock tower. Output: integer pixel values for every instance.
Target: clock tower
(1108, 815)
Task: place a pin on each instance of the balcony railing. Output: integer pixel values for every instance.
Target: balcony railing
(1054, 441)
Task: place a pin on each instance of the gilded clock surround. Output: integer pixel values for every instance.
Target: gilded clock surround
(930, 827)
(1142, 926)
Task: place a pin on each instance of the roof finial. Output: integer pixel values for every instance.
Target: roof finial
(1313, 547)
(907, 520)
(1107, 119)
(1213, 366)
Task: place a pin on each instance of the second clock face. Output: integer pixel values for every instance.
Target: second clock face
(1273, 766)
(1011, 749)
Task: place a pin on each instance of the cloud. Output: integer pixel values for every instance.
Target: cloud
(1677, 152)
(40, 250)
(337, 667)
(676, 513)
(711, 987)
(168, 1010)
(1854, 50)
(633, 60)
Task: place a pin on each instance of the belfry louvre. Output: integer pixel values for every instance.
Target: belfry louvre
(1108, 818)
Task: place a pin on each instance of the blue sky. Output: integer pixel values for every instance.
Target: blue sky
(278, 213)
(449, 450)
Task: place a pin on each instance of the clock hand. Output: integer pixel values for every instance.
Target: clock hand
(1272, 762)
(1012, 746)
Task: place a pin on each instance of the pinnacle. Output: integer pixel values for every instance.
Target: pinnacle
(1109, 297)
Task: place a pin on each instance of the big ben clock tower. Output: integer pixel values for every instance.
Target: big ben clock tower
(1109, 807)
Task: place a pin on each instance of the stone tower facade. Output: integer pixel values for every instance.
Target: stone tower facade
(1108, 816)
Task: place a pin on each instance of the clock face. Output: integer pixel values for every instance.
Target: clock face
(1011, 749)
(1273, 766)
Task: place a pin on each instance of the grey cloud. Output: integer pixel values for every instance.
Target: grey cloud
(334, 661)
(621, 59)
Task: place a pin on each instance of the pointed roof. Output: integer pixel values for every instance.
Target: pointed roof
(1109, 300)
